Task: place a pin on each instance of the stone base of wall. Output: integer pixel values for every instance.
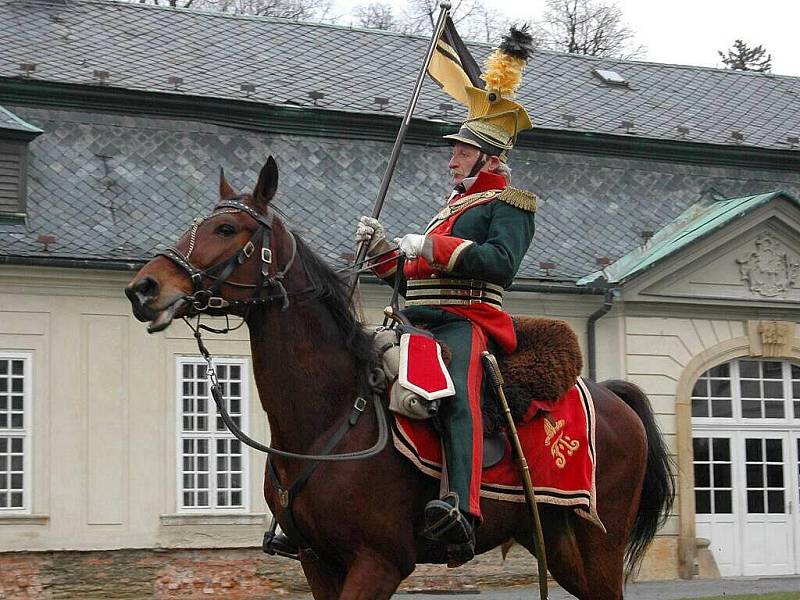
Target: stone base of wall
(228, 573)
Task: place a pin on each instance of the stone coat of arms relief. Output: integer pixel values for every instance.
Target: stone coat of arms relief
(770, 271)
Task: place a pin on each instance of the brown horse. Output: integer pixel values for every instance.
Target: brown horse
(363, 519)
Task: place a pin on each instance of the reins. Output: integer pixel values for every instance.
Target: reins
(376, 383)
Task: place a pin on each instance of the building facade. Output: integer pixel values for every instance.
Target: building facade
(670, 245)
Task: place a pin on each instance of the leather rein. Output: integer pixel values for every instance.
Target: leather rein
(204, 298)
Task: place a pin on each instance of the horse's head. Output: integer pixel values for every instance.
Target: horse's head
(222, 263)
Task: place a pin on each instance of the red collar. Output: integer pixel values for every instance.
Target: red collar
(486, 181)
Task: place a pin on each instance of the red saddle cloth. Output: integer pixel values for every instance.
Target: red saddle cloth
(558, 445)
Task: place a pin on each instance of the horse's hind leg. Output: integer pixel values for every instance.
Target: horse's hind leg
(372, 577)
(581, 558)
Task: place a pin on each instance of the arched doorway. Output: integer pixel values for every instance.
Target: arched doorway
(745, 418)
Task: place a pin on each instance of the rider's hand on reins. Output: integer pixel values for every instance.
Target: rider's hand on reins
(370, 231)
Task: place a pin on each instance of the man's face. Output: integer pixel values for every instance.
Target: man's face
(462, 161)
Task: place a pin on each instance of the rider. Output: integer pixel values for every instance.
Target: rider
(454, 276)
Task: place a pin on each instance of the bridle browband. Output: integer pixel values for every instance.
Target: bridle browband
(269, 287)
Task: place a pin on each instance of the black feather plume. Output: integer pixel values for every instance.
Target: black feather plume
(518, 43)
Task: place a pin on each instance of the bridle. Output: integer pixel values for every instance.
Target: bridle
(269, 287)
(204, 298)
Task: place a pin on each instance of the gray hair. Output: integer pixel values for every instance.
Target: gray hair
(504, 170)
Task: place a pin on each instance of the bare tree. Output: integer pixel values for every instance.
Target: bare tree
(743, 58)
(419, 16)
(376, 15)
(172, 3)
(485, 25)
(298, 10)
(590, 27)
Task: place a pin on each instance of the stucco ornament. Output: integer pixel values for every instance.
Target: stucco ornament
(769, 270)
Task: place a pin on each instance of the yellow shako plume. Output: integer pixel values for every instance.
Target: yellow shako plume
(495, 119)
(505, 65)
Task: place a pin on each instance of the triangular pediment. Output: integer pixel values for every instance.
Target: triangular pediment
(755, 258)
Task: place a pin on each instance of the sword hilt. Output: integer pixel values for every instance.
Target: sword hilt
(492, 369)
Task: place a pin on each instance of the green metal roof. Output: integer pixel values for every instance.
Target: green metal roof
(10, 121)
(695, 223)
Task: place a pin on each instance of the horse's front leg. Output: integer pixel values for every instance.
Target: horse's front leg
(372, 576)
(325, 582)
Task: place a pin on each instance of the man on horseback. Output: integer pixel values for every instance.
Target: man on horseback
(453, 281)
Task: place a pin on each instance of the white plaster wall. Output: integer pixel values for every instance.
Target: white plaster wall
(104, 419)
(104, 412)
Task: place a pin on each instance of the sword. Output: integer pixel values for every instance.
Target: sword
(444, 11)
(496, 379)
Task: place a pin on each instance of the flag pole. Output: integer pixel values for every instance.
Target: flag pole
(444, 12)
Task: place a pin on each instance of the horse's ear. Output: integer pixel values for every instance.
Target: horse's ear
(225, 189)
(267, 183)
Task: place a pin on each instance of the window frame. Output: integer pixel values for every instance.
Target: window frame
(17, 146)
(714, 486)
(26, 431)
(212, 435)
(736, 419)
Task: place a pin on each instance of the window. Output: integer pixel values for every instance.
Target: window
(610, 76)
(15, 384)
(212, 469)
(764, 475)
(747, 389)
(15, 134)
(711, 396)
(712, 475)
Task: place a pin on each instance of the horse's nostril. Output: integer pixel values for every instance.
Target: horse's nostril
(145, 289)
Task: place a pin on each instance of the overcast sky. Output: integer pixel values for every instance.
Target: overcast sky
(691, 31)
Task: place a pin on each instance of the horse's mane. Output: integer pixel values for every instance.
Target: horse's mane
(333, 290)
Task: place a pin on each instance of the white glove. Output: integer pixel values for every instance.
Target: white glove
(370, 231)
(411, 244)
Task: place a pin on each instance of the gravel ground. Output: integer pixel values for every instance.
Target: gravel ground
(666, 590)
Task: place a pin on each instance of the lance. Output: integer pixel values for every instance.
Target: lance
(444, 12)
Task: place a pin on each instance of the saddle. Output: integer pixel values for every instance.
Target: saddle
(545, 365)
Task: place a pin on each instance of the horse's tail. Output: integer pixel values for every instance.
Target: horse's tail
(658, 490)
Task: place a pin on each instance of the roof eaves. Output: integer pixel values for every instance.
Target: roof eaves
(11, 122)
(699, 227)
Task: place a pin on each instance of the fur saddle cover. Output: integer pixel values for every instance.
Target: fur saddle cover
(544, 367)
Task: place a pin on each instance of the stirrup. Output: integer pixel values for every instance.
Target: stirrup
(279, 544)
(446, 523)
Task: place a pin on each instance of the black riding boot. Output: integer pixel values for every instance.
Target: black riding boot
(444, 522)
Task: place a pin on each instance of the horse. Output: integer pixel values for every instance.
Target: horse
(363, 520)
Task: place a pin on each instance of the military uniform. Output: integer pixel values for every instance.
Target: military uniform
(478, 241)
(455, 274)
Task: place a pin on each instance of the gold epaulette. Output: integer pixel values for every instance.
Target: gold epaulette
(519, 198)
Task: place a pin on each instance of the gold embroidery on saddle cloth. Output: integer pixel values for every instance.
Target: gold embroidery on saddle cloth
(559, 442)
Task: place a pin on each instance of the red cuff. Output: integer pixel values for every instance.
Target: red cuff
(447, 250)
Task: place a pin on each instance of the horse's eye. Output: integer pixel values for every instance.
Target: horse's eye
(225, 230)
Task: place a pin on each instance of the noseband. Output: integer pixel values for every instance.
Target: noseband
(269, 288)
